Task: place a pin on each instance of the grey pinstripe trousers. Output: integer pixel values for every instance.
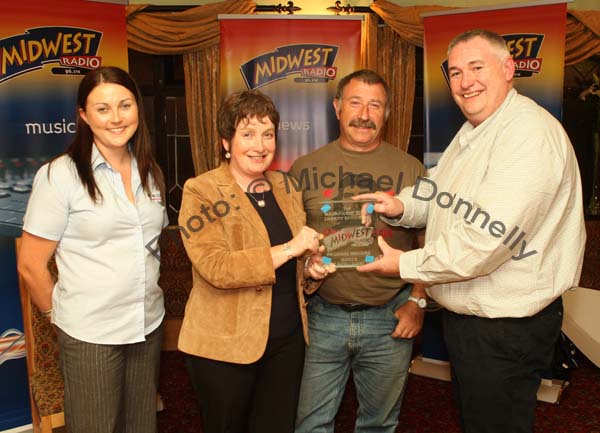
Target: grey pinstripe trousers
(110, 388)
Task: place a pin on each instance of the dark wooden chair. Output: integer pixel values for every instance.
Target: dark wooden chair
(46, 388)
(176, 282)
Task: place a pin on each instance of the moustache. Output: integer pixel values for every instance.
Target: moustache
(359, 123)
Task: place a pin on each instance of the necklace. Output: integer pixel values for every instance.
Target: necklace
(260, 202)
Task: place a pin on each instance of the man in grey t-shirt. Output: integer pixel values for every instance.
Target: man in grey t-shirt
(359, 322)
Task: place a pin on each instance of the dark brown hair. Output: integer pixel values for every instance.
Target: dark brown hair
(242, 105)
(80, 149)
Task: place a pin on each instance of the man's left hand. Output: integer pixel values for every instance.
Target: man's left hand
(410, 320)
(387, 264)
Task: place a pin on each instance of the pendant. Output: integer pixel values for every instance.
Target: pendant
(261, 203)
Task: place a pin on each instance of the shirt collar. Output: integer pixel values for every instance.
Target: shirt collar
(97, 158)
(99, 161)
(468, 134)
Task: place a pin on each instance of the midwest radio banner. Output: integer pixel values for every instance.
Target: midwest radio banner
(535, 36)
(45, 49)
(298, 62)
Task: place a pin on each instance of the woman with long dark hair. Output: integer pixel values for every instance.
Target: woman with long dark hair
(96, 207)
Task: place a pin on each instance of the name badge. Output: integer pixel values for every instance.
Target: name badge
(156, 197)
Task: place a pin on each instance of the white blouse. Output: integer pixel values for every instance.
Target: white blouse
(107, 291)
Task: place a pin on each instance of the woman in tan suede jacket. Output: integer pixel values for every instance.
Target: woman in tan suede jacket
(245, 324)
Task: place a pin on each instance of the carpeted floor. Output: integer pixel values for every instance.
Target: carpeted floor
(427, 407)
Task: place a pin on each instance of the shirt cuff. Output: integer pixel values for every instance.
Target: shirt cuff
(396, 221)
(399, 220)
(408, 266)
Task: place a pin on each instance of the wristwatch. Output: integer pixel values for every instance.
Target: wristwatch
(421, 302)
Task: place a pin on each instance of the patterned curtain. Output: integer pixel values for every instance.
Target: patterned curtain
(396, 63)
(202, 100)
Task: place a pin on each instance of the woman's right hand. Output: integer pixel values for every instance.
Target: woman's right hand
(305, 241)
(315, 268)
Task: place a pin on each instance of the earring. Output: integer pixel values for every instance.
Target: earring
(227, 155)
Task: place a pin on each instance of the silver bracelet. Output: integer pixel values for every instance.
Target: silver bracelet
(306, 261)
(287, 249)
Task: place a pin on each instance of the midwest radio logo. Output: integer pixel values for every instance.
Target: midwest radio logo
(312, 62)
(524, 48)
(73, 49)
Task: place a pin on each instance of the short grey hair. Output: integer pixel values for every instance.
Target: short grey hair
(495, 40)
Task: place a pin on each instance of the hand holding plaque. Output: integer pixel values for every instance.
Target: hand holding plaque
(350, 240)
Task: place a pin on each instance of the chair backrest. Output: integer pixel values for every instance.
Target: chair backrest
(176, 283)
(46, 351)
(45, 380)
(45, 343)
(175, 272)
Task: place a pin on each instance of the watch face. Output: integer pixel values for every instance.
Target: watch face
(421, 302)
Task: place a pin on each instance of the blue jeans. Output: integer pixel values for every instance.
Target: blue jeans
(361, 341)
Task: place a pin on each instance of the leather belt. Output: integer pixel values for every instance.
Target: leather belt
(354, 307)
